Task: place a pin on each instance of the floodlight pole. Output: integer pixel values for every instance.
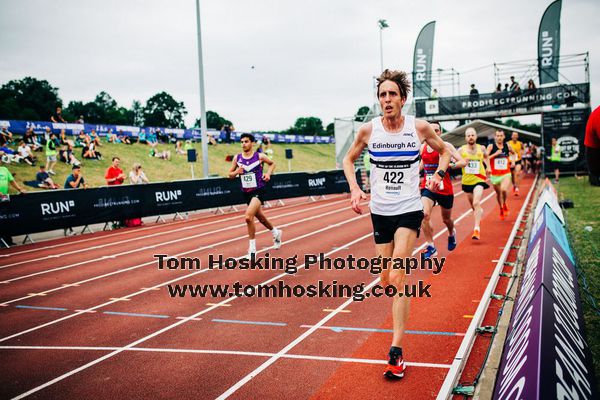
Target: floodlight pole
(203, 127)
(382, 23)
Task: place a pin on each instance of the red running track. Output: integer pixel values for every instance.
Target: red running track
(90, 317)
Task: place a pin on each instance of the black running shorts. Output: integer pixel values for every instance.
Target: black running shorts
(258, 193)
(469, 188)
(444, 200)
(385, 226)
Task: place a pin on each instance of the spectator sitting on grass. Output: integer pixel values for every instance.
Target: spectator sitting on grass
(64, 140)
(163, 155)
(81, 140)
(112, 137)
(6, 137)
(25, 153)
(30, 139)
(43, 179)
(9, 155)
(65, 154)
(179, 148)
(152, 141)
(142, 137)
(162, 137)
(89, 151)
(114, 175)
(124, 138)
(95, 138)
(137, 176)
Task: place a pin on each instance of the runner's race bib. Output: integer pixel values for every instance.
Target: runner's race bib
(429, 177)
(248, 180)
(472, 167)
(500, 163)
(391, 183)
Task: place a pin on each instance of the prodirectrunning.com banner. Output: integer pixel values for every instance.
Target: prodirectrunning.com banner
(568, 95)
(44, 211)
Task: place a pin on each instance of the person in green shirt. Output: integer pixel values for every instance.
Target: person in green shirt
(7, 179)
(555, 158)
(51, 153)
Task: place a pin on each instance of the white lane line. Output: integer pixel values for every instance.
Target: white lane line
(322, 322)
(224, 352)
(202, 248)
(92, 260)
(180, 322)
(179, 278)
(112, 235)
(129, 240)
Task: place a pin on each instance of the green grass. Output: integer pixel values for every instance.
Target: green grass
(587, 250)
(307, 157)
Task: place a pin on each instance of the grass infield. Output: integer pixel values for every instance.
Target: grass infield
(586, 245)
(307, 157)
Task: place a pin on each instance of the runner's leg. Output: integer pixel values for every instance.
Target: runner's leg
(404, 241)
(447, 219)
(477, 209)
(251, 212)
(426, 224)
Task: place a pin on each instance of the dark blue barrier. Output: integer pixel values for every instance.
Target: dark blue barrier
(43, 211)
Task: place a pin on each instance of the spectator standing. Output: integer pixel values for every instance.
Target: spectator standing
(226, 129)
(474, 93)
(7, 179)
(51, 152)
(137, 176)
(434, 95)
(114, 175)
(80, 120)
(514, 86)
(57, 116)
(555, 158)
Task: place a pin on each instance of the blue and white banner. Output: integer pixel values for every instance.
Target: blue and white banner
(72, 129)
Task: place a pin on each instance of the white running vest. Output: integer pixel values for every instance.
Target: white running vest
(395, 169)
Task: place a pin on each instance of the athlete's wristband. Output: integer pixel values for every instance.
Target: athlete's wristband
(441, 173)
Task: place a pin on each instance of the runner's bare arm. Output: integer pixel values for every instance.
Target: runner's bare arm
(270, 163)
(235, 170)
(459, 161)
(356, 148)
(486, 159)
(428, 135)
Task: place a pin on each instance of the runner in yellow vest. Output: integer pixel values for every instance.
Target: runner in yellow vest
(516, 158)
(474, 175)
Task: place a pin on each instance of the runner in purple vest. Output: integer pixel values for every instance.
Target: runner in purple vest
(248, 166)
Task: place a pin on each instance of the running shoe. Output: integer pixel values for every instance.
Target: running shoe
(277, 239)
(516, 191)
(505, 208)
(502, 215)
(394, 370)
(430, 251)
(251, 252)
(476, 234)
(452, 241)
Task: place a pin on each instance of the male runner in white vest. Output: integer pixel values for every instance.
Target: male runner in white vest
(393, 141)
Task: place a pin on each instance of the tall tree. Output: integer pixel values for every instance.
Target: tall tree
(29, 99)
(137, 111)
(213, 121)
(163, 110)
(330, 129)
(307, 126)
(360, 114)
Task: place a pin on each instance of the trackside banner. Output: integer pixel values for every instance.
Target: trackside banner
(423, 60)
(546, 355)
(56, 209)
(549, 43)
(555, 96)
(39, 127)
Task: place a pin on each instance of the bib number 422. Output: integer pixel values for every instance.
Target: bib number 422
(393, 177)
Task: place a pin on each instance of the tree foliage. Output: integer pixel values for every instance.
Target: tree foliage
(163, 110)
(29, 99)
(307, 126)
(360, 114)
(213, 121)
